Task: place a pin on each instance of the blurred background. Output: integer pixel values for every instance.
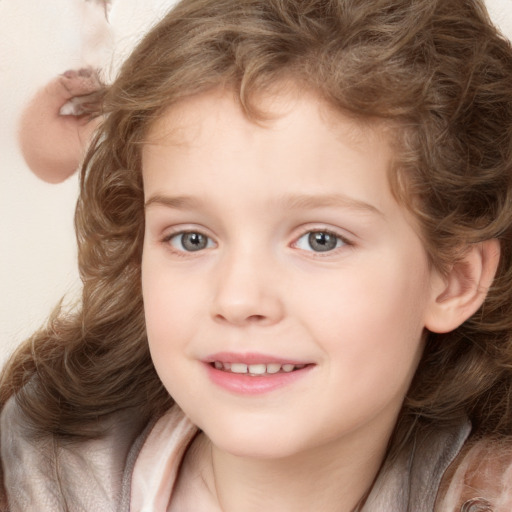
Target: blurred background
(40, 39)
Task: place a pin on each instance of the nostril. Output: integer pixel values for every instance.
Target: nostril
(241, 306)
(256, 318)
(250, 318)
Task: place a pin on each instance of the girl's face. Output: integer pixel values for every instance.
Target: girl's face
(286, 292)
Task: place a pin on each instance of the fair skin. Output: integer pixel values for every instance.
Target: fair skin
(282, 244)
(55, 127)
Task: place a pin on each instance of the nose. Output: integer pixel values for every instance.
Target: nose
(247, 291)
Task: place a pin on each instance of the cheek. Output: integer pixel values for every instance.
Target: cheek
(172, 306)
(369, 321)
(165, 330)
(159, 306)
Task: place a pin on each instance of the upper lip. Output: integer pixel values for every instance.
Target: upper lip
(251, 358)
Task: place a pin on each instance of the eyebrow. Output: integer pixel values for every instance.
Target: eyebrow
(177, 202)
(291, 202)
(306, 201)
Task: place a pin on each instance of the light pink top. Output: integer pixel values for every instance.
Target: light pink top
(157, 465)
(480, 480)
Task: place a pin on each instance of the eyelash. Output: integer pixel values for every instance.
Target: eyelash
(341, 241)
(179, 235)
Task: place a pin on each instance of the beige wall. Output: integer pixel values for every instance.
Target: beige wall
(39, 40)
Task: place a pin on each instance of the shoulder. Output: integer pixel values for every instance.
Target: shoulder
(43, 472)
(479, 479)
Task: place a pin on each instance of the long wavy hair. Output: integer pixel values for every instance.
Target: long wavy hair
(437, 71)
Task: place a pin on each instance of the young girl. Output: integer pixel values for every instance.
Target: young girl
(295, 240)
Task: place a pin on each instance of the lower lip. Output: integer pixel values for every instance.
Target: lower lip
(245, 384)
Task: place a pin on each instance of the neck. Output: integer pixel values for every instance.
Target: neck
(330, 479)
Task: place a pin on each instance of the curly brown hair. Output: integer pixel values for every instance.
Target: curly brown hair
(438, 72)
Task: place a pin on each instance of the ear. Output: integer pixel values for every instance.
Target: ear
(458, 295)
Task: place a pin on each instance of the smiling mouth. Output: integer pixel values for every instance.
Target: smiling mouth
(257, 370)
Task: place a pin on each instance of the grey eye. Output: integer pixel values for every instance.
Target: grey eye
(319, 241)
(190, 241)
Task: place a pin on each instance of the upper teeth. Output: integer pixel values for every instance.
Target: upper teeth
(257, 369)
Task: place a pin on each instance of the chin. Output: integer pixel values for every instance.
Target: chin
(257, 441)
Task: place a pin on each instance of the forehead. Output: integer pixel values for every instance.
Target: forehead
(303, 144)
(180, 123)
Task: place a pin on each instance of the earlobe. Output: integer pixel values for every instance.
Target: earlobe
(458, 295)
